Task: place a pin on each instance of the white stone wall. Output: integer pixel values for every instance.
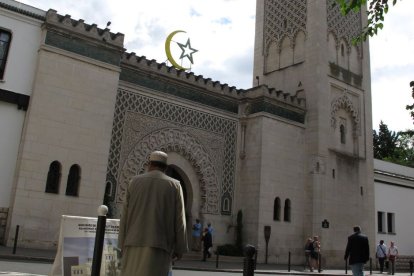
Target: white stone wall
(18, 78)
(22, 57)
(273, 166)
(11, 124)
(70, 120)
(395, 196)
(282, 175)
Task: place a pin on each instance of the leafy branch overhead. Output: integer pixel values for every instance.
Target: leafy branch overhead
(376, 11)
(411, 107)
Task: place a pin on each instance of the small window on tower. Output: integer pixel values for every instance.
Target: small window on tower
(276, 209)
(342, 132)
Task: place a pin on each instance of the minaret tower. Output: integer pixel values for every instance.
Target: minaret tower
(304, 47)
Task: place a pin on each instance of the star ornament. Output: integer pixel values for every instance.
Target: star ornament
(187, 51)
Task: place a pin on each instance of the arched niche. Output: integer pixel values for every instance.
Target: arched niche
(272, 57)
(343, 54)
(332, 48)
(286, 52)
(299, 49)
(355, 61)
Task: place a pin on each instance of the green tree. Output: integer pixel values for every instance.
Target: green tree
(376, 11)
(411, 107)
(395, 147)
(405, 152)
(385, 142)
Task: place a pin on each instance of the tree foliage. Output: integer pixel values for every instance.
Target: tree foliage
(376, 11)
(396, 147)
(385, 142)
(411, 107)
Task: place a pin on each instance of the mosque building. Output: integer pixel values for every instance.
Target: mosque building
(80, 115)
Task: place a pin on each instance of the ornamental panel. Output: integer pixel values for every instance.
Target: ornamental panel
(207, 141)
(284, 18)
(344, 27)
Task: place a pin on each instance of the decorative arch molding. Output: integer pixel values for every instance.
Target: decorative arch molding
(269, 44)
(344, 102)
(181, 142)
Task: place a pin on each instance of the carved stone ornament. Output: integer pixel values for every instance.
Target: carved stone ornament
(284, 18)
(207, 141)
(343, 27)
(343, 102)
(174, 140)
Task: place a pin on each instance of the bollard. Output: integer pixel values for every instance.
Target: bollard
(99, 240)
(346, 266)
(411, 267)
(319, 262)
(370, 266)
(217, 258)
(289, 262)
(255, 258)
(16, 236)
(248, 265)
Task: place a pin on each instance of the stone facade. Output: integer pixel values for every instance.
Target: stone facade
(69, 120)
(290, 153)
(336, 168)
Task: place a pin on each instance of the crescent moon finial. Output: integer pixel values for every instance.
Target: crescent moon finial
(168, 50)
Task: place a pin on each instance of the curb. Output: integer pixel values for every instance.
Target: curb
(26, 258)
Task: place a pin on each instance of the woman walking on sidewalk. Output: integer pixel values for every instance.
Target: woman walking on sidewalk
(392, 256)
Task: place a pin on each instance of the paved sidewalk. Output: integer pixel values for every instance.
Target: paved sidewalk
(234, 266)
(27, 254)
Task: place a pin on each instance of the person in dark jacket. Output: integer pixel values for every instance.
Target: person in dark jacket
(207, 243)
(357, 250)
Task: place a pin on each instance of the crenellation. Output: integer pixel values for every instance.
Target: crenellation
(208, 83)
(79, 27)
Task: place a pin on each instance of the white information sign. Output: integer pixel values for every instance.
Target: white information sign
(76, 244)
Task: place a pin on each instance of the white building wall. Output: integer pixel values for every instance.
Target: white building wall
(394, 193)
(11, 121)
(18, 78)
(25, 42)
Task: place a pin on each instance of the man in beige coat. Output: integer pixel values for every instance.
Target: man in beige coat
(152, 227)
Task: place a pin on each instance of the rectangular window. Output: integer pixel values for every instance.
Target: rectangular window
(391, 223)
(5, 38)
(381, 222)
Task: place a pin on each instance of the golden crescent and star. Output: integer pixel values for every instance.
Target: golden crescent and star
(186, 50)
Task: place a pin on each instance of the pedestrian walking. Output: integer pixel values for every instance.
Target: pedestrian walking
(152, 226)
(392, 256)
(381, 254)
(196, 236)
(315, 252)
(207, 244)
(357, 250)
(308, 252)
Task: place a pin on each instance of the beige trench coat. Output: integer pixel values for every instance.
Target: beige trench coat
(152, 225)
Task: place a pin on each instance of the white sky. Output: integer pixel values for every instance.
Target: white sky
(223, 32)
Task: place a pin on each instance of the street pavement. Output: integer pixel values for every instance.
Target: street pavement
(32, 262)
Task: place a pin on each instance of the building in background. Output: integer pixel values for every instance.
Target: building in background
(294, 152)
(394, 194)
(20, 39)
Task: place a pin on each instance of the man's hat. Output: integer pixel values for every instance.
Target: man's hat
(158, 156)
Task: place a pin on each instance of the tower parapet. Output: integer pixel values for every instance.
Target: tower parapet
(92, 32)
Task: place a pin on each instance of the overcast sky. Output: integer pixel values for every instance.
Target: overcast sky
(223, 32)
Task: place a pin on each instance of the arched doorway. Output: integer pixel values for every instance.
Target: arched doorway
(177, 173)
(172, 172)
